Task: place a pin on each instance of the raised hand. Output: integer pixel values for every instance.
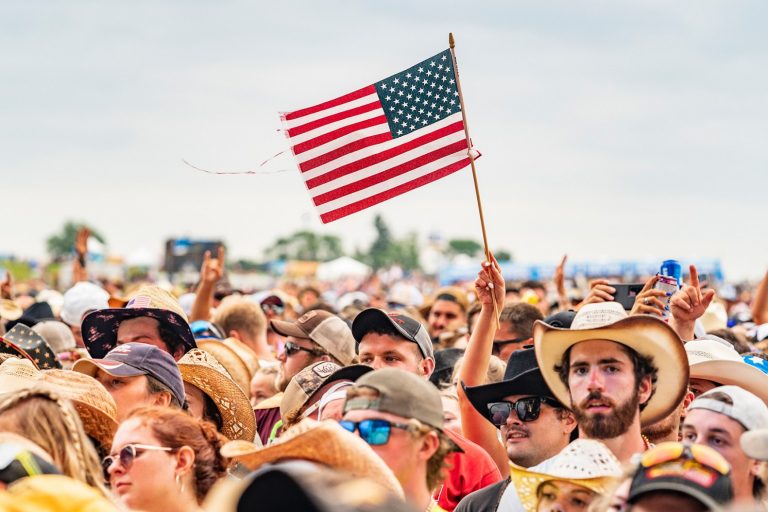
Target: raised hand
(650, 301)
(489, 285)
(600, 290)
(559, 277)
(81, 241)
(689, 303)
(212, 269)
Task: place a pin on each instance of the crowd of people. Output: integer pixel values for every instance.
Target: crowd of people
(482, 396)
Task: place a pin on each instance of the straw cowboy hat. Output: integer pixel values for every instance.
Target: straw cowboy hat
(714, 359)
(323, 442)
(245, 353)
(100, 327)
(584, 462)
(94, 404)
(201, 369)
(231, 362)
(9, 310)
(23, 341)
(647, 335)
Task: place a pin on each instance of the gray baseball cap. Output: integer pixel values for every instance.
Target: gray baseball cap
(410, 329)
(402, 393)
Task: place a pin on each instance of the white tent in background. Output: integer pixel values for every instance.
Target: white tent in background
(141, 257)
(341, 268)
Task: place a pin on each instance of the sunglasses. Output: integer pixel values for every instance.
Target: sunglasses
(497, 344)
(274, 308)
(374, 432)
(669, 452)
(527, 409)
(291, 349)
(128, 454)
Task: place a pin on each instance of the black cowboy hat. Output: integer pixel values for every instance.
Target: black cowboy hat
(522, 377)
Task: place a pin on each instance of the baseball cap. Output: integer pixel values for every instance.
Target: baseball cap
(134, 359)
(82, 298)
(744, 407)
(402, 393)
(372, 319)
(694, 470)
(308, 381)
(324, 328)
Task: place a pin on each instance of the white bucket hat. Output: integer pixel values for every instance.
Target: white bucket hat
(80, 299)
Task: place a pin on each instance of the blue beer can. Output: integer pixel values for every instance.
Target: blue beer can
(672, 268)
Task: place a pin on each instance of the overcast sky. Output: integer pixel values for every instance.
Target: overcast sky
(609, 130)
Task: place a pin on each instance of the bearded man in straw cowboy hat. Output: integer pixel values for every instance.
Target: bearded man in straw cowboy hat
(608, 366)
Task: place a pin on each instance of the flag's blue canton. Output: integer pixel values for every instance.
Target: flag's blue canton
(420, 95)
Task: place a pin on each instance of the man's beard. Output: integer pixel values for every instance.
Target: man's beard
(600, 426)
(663, 429)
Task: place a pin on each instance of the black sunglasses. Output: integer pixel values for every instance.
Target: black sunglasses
(527, 409)
(291, 349)
(128, 454)
(374, 432)
(496, 349)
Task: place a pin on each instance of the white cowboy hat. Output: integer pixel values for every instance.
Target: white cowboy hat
(647, 335)
(716, 360)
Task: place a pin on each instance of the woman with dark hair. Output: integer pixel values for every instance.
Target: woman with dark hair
(164, 460)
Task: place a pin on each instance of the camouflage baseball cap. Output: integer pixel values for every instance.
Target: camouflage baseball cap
(308, 381)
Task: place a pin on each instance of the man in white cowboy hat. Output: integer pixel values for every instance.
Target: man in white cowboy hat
(608, 367)
(152, 316)
(719, 418)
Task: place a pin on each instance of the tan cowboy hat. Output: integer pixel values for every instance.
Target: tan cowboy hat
(647, 335)
(714, 359)
(201, 369)
(323, 442)
(584, 462)
(94, 404)
(229, 359)
(9, 310)
(245, 353)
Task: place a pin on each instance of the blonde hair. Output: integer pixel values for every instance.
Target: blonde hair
(52, 423)
(240, 314)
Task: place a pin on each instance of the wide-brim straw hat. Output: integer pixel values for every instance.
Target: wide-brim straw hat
(245, 353)
(584, 462)
(94, 404)
(229, 359)
(201, 369)
(100, 327)
(716, 360)
(323, 442)
(646, 335)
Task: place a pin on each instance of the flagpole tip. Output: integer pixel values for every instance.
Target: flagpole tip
(451, 42)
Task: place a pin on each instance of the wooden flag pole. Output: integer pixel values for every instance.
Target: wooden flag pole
(452, 44)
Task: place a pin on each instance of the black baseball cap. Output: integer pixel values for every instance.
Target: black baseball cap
(134, 359)
(372, 319)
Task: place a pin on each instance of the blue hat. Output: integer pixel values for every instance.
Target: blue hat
(134, 359)
(756, 361)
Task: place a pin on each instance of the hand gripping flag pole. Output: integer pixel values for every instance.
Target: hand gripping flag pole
(471, 153)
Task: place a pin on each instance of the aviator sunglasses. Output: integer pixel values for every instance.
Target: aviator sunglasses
(527, 409)
(292, 349)
(374, 432)
(128, 454)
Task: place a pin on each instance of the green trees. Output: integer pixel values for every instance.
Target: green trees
(62, 243)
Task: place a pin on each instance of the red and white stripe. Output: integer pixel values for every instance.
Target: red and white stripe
(349, 160)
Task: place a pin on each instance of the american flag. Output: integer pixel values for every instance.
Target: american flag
(380, 141)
